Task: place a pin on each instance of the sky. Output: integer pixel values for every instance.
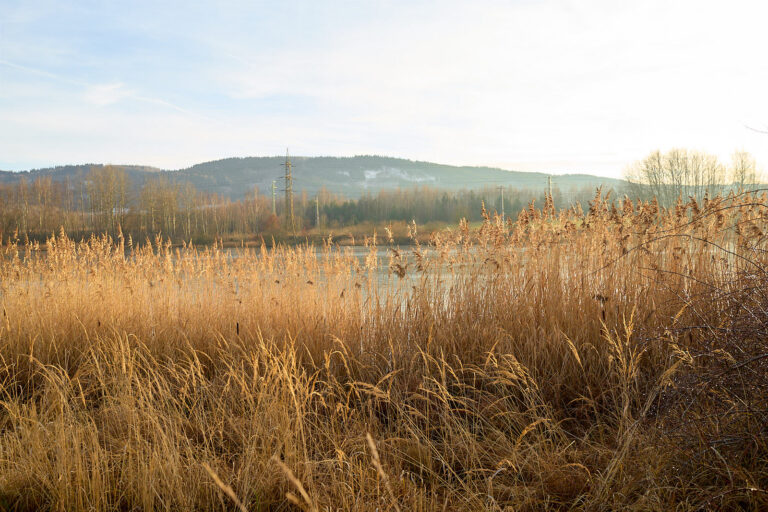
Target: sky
(552, 86)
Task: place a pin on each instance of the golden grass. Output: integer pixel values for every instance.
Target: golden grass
(611, 360)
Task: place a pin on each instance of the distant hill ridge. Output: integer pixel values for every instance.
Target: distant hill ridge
(350, 176)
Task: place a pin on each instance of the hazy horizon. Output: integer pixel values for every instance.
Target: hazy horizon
(294, 157)
(552, 86)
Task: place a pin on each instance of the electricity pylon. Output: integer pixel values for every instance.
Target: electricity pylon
(289, 194)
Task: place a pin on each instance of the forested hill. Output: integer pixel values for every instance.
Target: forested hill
(355, 176)
(74, 173)
(349, 176)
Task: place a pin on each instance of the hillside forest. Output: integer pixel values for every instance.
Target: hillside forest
(108, 199)
(105, 200)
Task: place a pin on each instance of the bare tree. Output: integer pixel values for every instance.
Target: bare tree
(677, 173)
(743, 171)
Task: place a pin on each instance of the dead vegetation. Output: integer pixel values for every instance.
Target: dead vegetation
(608, 360)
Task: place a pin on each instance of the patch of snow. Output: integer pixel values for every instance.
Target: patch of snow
(393, 172)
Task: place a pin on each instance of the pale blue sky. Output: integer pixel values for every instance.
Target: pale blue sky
(579, 86)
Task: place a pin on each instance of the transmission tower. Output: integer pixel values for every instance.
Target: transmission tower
(289, 193)
(274, 206)
(501, 189)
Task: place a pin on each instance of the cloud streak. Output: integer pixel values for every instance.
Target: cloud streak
(106, 94)
(557, 86)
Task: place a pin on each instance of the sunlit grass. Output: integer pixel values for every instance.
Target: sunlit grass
(568, 360)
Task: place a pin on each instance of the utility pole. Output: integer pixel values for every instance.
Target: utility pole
(501, 188)
(274, 207)
(289, 193)
(317, 211)
(549, 183)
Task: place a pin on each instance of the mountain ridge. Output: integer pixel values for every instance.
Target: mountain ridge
(352, 177)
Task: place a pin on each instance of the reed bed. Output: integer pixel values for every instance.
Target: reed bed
(613, 359)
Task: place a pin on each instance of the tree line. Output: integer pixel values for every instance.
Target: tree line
(106, 200)
(685, 173)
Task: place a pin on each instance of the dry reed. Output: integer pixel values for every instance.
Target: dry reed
(611, 360)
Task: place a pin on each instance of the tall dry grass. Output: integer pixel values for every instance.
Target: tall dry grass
(607, 360)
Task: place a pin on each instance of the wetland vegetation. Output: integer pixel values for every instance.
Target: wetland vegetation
(608, 359)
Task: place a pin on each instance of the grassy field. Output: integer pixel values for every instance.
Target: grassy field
(610, 360)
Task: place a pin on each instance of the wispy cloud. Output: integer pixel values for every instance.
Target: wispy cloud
(552, 85)
(107, 94)
(40, 72)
